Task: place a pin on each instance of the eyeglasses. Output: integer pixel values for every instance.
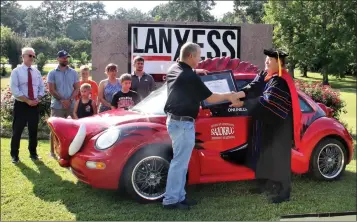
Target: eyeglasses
(31, 56)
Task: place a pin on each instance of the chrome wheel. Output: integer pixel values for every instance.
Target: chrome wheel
(149, 177)
(331, 160)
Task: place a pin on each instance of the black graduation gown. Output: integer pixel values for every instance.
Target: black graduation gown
(269, 105)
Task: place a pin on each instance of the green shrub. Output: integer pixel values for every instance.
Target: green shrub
(7, 105)
(41, 61)
(323, 94)
(43, 45)
(12, 47)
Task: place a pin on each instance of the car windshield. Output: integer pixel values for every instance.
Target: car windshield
(153, 103)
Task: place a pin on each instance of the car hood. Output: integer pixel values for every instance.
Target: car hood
(67, 128)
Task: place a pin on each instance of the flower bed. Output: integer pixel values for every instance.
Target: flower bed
(323, 94)
(7, 106)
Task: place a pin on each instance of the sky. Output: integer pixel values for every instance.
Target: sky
(110, 6)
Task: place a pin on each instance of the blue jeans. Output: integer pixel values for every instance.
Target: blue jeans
(182, 134)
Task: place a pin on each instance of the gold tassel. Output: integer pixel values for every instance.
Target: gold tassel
(279, 64)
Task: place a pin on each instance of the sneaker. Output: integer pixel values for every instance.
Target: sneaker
(15, 159)
(35, 157)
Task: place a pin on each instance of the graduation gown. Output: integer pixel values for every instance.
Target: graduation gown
(271, 104)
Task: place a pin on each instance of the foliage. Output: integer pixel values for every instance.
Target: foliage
(83, 60)
(82, 46)
(7, 104)
(43, 45)
(319, 35)
(323, 94)
(64, 44)
(188, 11)
(6, 33)
(41, 61)
(132, 14)
(12, 47)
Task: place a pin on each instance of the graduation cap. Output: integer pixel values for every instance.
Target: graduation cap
(275, 53)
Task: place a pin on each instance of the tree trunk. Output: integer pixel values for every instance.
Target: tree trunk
(324, 76)
(304, 71)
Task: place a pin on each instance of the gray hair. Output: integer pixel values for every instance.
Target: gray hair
(188, 49)
(26, 49)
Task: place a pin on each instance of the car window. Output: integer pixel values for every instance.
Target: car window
(304, 106)
(153, 103)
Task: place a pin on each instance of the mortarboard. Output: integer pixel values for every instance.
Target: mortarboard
(276, 54)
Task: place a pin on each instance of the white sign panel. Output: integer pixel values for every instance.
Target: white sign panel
(160, 44)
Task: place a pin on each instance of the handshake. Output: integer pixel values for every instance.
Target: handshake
(235, 98)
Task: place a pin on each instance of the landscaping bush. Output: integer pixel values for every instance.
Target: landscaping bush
(82, 46)
(83, 60)
(323, 94)
(7, 106)
(12, 47)
(64, 44)
(43, 45)
(41, 62)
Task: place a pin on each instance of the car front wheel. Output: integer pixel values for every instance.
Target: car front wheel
(146, 173)
(328, 160)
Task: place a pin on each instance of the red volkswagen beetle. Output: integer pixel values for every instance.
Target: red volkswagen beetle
(131, 149)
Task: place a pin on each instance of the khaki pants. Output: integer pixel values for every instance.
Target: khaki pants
(64, 113)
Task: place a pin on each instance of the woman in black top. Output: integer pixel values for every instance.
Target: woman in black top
(85, 106)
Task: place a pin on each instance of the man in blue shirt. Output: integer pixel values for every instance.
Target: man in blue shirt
(27, 87)
(63, 84)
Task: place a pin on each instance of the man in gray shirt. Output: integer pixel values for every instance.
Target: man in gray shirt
(63, 84)
(141, 82)
(27, 88)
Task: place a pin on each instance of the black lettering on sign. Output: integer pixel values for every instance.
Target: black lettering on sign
(227, 44)
(135, 41)
(212, 44)
(150, 36)
(163, 38)
(180, 41)
(195, 34)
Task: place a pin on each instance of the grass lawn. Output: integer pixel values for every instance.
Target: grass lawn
(45, 191)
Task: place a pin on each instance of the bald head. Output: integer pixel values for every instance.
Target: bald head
(190, 53)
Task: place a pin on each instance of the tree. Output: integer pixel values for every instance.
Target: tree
(188, 11)
(132, 14)
(248, 11)
(6, 33)
(13, 16)
(13, 46)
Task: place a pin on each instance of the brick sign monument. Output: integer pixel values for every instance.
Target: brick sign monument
(118, 42)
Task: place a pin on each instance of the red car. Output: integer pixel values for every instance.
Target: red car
(131, 149)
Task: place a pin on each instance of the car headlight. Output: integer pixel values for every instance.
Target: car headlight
(108, 138)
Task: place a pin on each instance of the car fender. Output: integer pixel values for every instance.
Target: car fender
(152, 133)
(320, 129)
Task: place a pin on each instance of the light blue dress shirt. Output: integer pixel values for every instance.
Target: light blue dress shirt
(64, 85)
(19, 82)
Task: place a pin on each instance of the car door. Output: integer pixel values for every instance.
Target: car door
(220, 134)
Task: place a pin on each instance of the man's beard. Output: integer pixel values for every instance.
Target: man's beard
(63, 64)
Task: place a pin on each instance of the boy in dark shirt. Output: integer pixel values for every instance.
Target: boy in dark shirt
(125, 98)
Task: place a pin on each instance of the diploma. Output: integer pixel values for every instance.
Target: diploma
(218, 86)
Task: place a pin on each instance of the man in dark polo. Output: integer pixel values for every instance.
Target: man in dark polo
(185, 92)
(142, 83)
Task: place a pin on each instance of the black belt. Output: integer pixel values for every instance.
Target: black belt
(181, 118)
